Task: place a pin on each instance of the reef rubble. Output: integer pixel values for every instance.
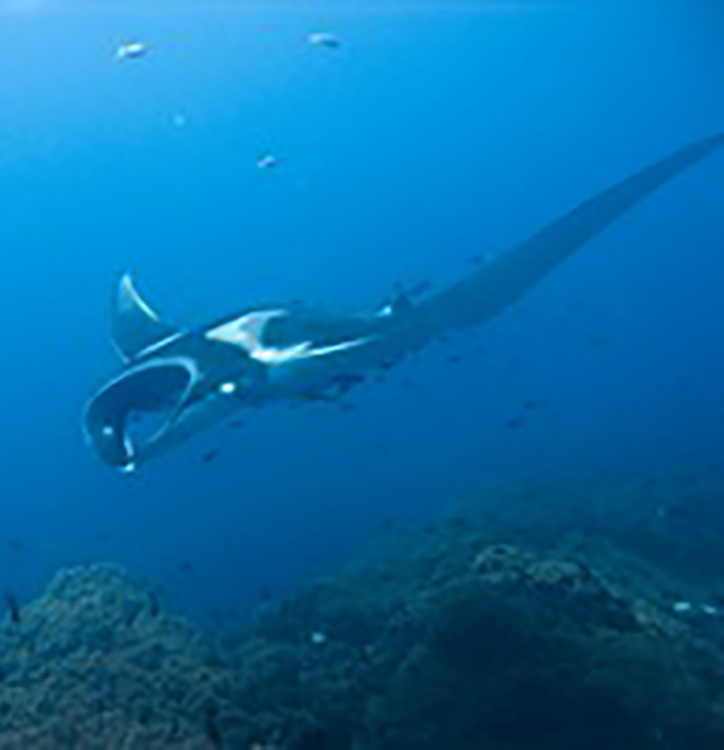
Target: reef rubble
(438, 639)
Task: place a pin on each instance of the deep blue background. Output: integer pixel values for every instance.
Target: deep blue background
(436, 132)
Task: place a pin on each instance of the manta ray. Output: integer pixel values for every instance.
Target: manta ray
(186, 379)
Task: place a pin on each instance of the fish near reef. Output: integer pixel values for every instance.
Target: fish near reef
(13, 605)
(192, 378)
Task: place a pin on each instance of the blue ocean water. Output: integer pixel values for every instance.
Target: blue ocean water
(434, 133)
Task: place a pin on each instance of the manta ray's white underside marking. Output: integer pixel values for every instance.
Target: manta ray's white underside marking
(247, 332)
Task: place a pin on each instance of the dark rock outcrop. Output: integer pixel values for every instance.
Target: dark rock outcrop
(438, 640)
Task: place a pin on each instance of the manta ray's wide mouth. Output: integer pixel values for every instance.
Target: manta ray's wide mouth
(136, 409)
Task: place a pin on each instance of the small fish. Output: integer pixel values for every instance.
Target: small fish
(15, 545)
(131, 51)
(388, 524)
(186, 566)
(236, 424)
(315, 396)
(598, 341)
(649, 482)
(344, 382)
(218, 617)
(210, 456)
(481, 259)
(11, 601)
(533, 404)
(267, 161)
(324, 39)
(402, 290)
(419, 289)
(514, 423)
(312, 558)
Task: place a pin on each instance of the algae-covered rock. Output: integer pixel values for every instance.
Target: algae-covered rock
(494, 648)
(439, 639)
(93, 663)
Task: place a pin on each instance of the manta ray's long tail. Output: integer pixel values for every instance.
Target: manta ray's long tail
(503, 281)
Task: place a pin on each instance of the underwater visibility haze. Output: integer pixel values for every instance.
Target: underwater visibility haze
(332, 234)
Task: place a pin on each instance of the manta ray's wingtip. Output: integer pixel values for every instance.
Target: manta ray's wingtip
(126, 280)
(136, 325)
(126, 289)
(710, 143)
(696, 150)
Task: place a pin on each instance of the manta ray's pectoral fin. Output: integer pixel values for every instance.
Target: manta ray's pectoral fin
(504, 280)
(136, 327)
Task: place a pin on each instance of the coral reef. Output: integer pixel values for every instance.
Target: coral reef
(94, 663)
(672, 522)
(439, 643)
(438, 639)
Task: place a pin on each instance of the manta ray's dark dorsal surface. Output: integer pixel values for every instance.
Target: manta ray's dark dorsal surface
(189, 379)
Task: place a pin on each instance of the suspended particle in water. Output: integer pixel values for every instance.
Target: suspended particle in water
(179, 120)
